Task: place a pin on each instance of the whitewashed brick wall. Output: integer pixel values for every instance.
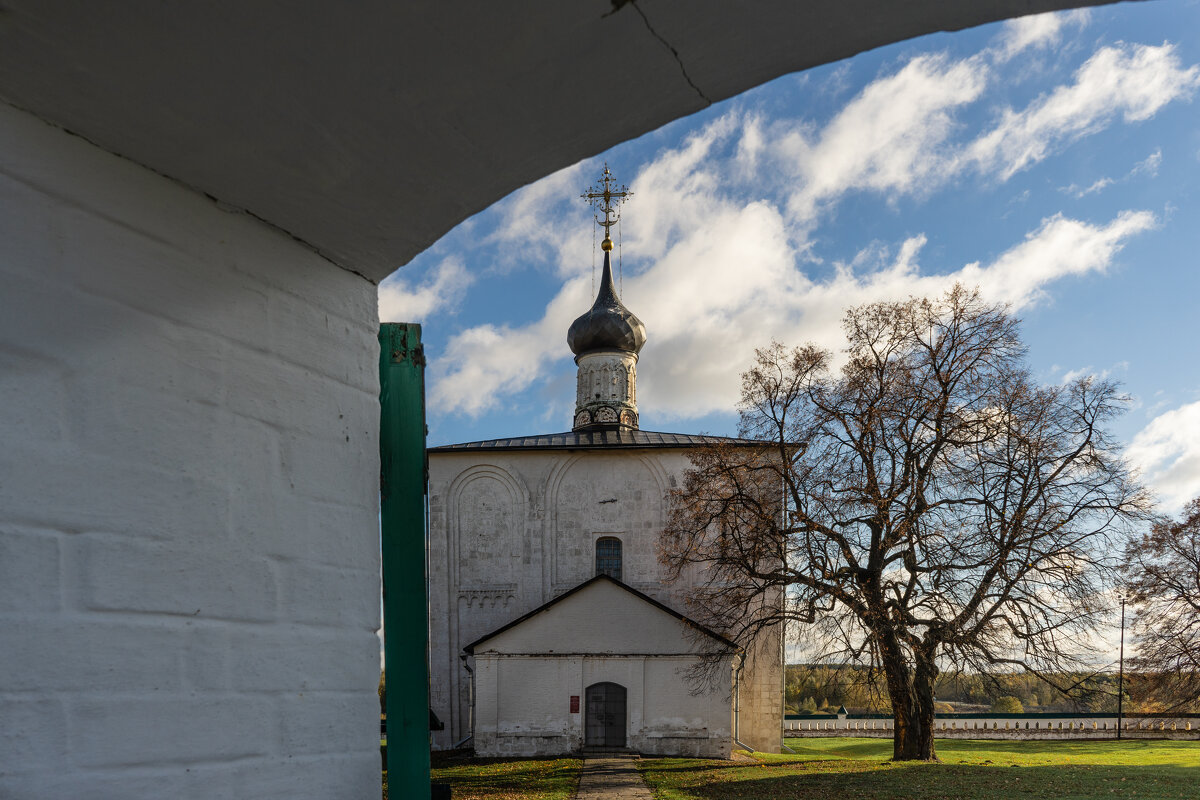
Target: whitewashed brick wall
(511, 530)
(188, 492)
(762, 695)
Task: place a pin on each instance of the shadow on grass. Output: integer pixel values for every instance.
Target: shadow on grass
(669, 765)
(508, 777)
(846, 748)
(867, 780)
(1134, 752)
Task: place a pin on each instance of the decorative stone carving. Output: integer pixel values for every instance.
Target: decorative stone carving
(606, 380)
(489, 597)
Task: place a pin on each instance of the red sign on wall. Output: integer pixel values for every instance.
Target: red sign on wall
(574, 704)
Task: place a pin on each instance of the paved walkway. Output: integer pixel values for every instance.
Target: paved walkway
(612, 778)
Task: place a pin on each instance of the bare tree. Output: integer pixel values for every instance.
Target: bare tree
(1164, 578)
(926, 505)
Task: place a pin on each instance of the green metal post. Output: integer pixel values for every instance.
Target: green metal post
(402, 480)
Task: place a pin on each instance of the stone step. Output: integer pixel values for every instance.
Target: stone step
(607, 751)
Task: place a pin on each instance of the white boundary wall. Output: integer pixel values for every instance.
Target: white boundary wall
(1040, 726)
(189, 574)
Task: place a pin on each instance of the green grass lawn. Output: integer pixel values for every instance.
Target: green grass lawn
(514, 779)
(858, 769)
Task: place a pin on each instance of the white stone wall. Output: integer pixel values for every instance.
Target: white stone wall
(602, 633)
(511, 530)
(524, 706)
(761, 690)
(189, 581)
(1005, 726)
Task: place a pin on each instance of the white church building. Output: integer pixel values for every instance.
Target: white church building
(553, 627)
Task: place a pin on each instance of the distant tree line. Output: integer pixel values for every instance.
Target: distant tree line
(822, 688)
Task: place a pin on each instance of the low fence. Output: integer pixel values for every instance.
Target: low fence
(1002, 726)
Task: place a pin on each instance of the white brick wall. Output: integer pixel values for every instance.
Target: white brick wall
(188, 492)
(522, 698)
(540, 513)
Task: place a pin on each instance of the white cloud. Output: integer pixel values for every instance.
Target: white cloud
(724, 222)
(1089, 371)
(683, 188)
(1168, 453)
(890, 138)
(1075, 191)
(484, 364)
(401, 302)
(895, 137)
(1149, 165)
(1061, 247)
(531, 219)
(1131, 81)
(1070, 376)
(1037, 31)
(733, 285)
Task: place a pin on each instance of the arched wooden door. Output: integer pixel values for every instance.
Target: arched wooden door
(604, 723)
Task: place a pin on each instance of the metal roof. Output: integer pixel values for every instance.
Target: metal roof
(614, 439)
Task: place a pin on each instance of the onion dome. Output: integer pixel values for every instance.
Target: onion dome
(608, 325)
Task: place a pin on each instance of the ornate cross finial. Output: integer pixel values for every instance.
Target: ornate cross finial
(600, 197)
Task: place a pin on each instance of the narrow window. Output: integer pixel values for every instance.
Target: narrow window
(608, 556)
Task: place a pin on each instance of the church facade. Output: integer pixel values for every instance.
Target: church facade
(553, 626)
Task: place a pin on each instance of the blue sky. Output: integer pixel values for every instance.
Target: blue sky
(1053, 161)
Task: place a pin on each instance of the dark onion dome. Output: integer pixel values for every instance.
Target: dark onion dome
(608, 325)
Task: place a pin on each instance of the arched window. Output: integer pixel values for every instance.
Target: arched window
(608, 556)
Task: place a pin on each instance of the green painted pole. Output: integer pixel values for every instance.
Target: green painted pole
(402, 480)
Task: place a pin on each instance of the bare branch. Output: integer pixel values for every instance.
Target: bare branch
(926, 504)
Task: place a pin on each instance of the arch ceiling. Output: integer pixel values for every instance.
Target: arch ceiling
(369, 129)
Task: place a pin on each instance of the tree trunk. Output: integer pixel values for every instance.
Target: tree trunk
(924, 676)
(911, 690)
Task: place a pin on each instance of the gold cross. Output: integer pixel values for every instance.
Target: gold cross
(600, 197)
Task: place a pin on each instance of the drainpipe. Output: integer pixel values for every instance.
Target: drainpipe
(737, 704)
(471, 709)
